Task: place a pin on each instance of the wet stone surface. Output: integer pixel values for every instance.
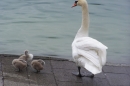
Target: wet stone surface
(58, 72)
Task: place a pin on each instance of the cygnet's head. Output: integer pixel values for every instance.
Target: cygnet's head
(41, 61)
(26, 52)
(79, 3)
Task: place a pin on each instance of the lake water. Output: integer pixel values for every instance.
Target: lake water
(48, 27)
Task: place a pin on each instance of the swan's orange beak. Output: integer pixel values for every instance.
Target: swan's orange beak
(75, 4)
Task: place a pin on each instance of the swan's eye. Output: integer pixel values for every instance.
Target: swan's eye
(76, 2)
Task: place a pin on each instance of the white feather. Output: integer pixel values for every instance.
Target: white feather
(30, 57)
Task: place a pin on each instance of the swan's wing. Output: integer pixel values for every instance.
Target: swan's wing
(89, 53)
(87, 59)
(87, 43)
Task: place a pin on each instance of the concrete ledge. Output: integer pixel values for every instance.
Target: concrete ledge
(58, 72)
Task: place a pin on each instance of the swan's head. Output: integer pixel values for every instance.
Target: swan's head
(79, 3)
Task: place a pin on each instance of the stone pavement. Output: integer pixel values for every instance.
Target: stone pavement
(58, 72)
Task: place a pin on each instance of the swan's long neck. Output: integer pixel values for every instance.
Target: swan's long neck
(83, 31)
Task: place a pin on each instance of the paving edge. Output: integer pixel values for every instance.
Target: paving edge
(62, 59)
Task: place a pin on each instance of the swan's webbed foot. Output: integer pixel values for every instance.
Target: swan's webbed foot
(82, 75)
(91, 76)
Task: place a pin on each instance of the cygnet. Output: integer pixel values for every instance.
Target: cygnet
(26, 56)
(19, 64)
(38, 65)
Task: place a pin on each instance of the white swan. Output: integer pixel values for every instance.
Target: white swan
(86, 51)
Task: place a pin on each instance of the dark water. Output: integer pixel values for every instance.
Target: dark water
(48, 27)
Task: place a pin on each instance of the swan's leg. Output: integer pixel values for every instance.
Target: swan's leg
(79, 68)
(78, 73)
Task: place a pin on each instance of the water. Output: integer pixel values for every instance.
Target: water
(49, 27)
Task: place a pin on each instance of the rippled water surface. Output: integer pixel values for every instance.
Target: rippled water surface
(48, 27)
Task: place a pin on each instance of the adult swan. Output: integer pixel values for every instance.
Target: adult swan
(86, 51)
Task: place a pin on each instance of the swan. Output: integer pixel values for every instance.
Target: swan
(87, 52)
(37, 65)
(26, 56)
(19, 64)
